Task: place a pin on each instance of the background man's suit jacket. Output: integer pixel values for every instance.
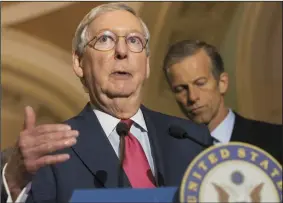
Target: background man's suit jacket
(94, 164)
(264, 135)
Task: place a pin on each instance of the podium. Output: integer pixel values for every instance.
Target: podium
(234, 172)
(165, 195)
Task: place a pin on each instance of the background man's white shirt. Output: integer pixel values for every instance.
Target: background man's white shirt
(223, 132)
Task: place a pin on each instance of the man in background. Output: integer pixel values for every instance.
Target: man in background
(196, 75)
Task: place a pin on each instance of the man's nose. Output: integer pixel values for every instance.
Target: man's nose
(121, 50)
(193, 95)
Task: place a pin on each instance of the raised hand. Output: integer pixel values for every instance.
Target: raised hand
(34, 150)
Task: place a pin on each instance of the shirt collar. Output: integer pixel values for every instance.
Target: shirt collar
(109, 122)
(223, 131)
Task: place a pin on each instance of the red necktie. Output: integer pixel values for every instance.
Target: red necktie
(135, 163)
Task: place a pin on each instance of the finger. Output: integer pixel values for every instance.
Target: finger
(54, 136)
(49, 147)
(29, 118)
(48, 128)
(52, 159)
(34, 165)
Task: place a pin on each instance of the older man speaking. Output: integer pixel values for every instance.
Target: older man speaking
(115, 141)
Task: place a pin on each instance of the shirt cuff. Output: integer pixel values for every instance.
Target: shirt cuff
(22, 196)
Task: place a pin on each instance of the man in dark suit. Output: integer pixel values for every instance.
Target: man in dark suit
(196, 75)
(115, 141)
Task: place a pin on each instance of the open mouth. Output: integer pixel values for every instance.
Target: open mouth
(121, 74)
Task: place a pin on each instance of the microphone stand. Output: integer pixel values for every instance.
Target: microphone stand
(122, 130)
(121, 159)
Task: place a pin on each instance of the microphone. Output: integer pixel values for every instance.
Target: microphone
(101, 177)
(179, 133)
(122, 129)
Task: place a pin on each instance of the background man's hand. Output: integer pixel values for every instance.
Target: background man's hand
(33, 148)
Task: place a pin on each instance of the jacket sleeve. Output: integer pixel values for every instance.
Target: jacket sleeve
(43, 187)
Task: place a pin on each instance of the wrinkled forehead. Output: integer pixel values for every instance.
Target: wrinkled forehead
(120, 21)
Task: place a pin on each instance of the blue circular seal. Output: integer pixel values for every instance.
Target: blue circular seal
(234, 172)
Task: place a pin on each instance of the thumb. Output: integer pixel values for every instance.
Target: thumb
(29, 120)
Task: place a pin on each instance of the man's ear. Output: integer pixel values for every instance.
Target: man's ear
(78, 69)
(223, 83)
(77, 65)
(147, 67)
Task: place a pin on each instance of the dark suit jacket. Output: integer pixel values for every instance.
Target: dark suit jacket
(264, 135)
(94, 164)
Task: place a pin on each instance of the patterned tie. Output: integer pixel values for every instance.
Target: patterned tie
(135, 163)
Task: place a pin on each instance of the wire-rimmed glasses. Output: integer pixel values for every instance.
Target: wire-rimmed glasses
(107, 40)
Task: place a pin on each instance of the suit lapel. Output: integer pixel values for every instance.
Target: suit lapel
(93, 147)
(155, 149)
(240, 130)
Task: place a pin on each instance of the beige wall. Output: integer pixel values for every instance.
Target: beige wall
(259, 62)
(228, 51)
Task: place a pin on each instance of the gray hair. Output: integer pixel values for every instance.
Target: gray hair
(80, 39)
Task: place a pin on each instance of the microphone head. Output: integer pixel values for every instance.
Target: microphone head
(122, 129)
(177, 132)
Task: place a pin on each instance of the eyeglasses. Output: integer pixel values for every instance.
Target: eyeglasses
(107, 40)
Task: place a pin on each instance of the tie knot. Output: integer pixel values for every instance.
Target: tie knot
(128, 122)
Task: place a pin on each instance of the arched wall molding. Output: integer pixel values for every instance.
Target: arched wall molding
(243, 72)
(60, 102)
(42, 71)
(254, 90)
(267, 85)
(21, 12)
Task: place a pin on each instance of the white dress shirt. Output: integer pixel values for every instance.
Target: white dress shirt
(223, 132)
(138, 129)
(108, 123)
